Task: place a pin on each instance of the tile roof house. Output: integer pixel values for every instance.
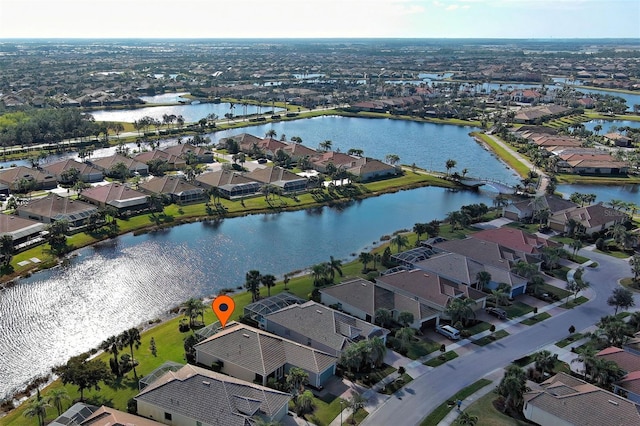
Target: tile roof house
(566, 400)
(289, 182)
(297, 151)
(54, 207)
(173, 161)
(269, 147)
(185, 150)
(515, 239)
(525, 209)
(592, 218)
(251, 354)
(245, 141)
(338, 159)
(106, 163)
(86, 172)
(178, 189)
(39, 179)
(591, 163)
(320, 327)
(464, 270)
(369, 168)
(361, 298)
(23, 231)
(107, 416)
(229, 183)
(115, 195)
(629, 363)
(194, 395)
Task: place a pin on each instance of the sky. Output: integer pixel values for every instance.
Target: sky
(320, 19)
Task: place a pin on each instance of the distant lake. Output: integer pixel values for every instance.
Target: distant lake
(191, 113)
(604, 193)
(607, 124)
(166, 98)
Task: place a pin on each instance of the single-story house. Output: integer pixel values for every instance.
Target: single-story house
(524, 210)
(289, 182)
(116, 195)
(106, 163)
(229, 183)
(187, 150)
(516, 239)
(178, 189)
(254, 355)
(592, 218)
(629, 363)
(173, 161)
(369, 168)
(194, 395)
(107, 416)
(618, 139)
(564, 400)
(320, 327)
(361, 298)
(61, 170)
(16, 177)
(54, 207)
(23, 231)
(298, 151)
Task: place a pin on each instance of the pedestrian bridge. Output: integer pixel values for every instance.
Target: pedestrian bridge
(496, 185)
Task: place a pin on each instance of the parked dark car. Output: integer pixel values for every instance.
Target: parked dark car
(497, 312)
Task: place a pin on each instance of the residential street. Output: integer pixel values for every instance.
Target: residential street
(428, 391)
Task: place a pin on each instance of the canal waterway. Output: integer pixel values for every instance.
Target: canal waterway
(117, 284)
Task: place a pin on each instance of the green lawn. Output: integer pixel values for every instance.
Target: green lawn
(491, 338)
(361, 414)
(572, 303)
(396, 385)
(536, 319)
(441, 359)
(614, 253)
(517, 309)
(443, 409)
(324, 412)
(560, 293)
(504, 155)
(479, 328)
(488, 415)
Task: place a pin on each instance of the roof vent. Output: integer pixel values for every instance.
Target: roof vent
(363, 284)
(612, 402)
(246, 335)
(206, 383)
(319, 311)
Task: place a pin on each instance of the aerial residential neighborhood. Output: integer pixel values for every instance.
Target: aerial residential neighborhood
(363, 213)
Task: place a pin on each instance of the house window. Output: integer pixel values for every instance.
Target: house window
(167, 416)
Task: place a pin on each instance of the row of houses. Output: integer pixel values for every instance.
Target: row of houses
(431, 276)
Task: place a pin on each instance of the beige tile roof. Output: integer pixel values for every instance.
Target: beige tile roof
(55, 207)
(221, 178)
(169, 185)
(582, 404)
(515, 239)
(107, 416)
(60, 166)
(590, 216)
(113, 194)
(486, 252)
(627, 361)
(272, 175)
(262, 352)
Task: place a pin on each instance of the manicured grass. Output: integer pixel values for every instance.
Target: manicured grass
(593, 265)
(396, 385)
(536, 319)
(420, 348)
(443, 409)
(614, 253)
(369, 379)
(517, 309)
(528, 227)
(574, 302)
(359, 417)
(491, 338)
(560, 272)
(324, 413)
(569, 340)
(504, 155)
(630, 284)
(488, 415)
(606, 180)
(479, 328)
(441, 359)
(560, 293)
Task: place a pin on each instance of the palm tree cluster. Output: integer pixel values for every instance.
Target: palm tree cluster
(461, 310)
(194, 308)
(601, 371)
(114, 344)
(364, 355)
(38, 406)
(324, 273)
(512, 388)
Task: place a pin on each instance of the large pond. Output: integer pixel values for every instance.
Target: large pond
(608, 125)
(121, 283)
(191, 112)
(604, 193)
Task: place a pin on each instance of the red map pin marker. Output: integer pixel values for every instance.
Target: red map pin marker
(223, 307)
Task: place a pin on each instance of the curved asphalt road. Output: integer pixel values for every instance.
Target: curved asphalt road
(411, 404)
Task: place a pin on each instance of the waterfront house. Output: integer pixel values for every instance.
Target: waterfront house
(590, 219)
(63, 171)
(194, 395)
(107, 416)
(367, 169)
(254, 355)
(320, 327)
(23, 231)
(229, 183)
(516, 239)
(298, 151)
(188, 151)
(282, 178)
(525, 209)
(567, 400)
(21, 178)
(116, 195)
(591, 164)
(618, 139)
(107, 163)
(173, 161)
(179, 190)
(54, 207)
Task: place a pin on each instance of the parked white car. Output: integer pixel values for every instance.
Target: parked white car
(448, 331)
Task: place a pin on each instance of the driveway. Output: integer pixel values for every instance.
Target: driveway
(426, 392)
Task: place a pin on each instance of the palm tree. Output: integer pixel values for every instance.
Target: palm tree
(113, 346)
(466, 419)
(356, 402)
(545, 361)
(296, 379)
(605, 372)
(524, 269)
(326, 145)
(335, 265)
(37, 408)
(498, 295)
(460, 309)
(420, 229)
(450, 164)
(56, 397)
(405, 336)
(351, 358)
(252, 283)
(6, 249)
(271, 133)
(131, 338)
(586, 356)
(512, 387)
(483, 278)
(405, 318)
(304, 403)
(383, 316)
(377, 351)
(377, 258)
(318, 272)
(365, 257)
(194, 308)
(392, 159)
(575, 245)
(400, 241)
(268, 281)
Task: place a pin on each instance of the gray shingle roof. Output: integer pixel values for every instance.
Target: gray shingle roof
(212, 398)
